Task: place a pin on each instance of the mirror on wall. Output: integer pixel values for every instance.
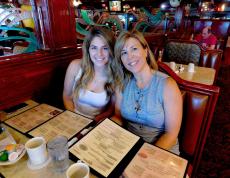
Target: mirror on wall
(17, 28)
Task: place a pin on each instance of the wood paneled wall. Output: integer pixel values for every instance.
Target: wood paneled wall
(55, 21)
(39, 77)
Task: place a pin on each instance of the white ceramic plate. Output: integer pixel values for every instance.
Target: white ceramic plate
(4, 163)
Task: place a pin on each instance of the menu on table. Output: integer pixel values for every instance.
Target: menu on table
(104, 147)
(66, 123)
(151, 161)
(30, 119)
(15, 110)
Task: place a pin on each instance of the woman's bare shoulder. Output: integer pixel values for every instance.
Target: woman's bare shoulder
(171, 87)
(75, 65)
(170, 82)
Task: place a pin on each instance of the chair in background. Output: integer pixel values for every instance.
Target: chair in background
(199, 103)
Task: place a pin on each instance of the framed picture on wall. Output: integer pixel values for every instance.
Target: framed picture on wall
(115, 6)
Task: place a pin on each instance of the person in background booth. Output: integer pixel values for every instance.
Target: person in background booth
(149, 102)
(89, 83)
(207, 39)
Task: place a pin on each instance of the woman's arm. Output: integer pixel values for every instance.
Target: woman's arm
(71, 72)
(173, 114)
(117, 113)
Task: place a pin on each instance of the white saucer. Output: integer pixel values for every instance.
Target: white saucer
(39, 166)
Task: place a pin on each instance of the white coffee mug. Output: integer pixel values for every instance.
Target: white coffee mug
(172, 65)
(191, 67)
(78, 170)
(36, 150)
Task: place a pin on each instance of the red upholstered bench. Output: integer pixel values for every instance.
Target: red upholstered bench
(198, 108)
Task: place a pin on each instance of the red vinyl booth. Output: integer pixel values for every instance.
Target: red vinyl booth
(199, 103)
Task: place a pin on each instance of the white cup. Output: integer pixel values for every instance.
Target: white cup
(172, 65)
(36, 150)
(191, 67)
(78, 170)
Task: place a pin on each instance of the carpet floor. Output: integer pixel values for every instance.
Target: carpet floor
(215, 161)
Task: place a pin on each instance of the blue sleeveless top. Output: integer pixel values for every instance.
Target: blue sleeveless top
(144, 111)
(145, 106)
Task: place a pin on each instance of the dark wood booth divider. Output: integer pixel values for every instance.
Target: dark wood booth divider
(39, 77)
(198, 108)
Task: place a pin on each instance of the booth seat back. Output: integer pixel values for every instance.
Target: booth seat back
(212, 59)
(182, 52)
(193, 112)
(199, 102)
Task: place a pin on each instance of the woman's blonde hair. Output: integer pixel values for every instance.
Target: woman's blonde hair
(119, 45)
(87, 65)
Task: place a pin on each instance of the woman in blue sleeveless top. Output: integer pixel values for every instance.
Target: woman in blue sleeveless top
(148, 101)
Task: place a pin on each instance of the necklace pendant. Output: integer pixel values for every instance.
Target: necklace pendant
(138, 100)
(138, 106)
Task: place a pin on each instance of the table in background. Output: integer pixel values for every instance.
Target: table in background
(203, 75)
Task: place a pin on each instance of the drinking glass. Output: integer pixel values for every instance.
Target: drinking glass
(58, 151)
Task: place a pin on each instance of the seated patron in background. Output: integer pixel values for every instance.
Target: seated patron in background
(207, 39)
(148, 103)
(89, 83)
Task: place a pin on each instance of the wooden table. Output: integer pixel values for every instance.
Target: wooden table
(20, 169)
(203, 75)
